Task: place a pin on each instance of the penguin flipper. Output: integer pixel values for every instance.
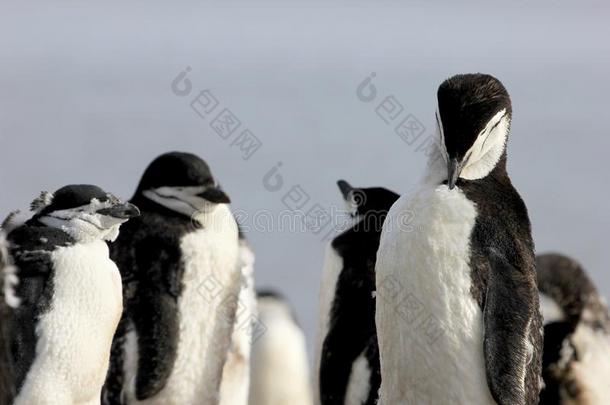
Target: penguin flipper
(30, 249)
(155, 315)
(157, 331)
(512, 333)
(352, 328)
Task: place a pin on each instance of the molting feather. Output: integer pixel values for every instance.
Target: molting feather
(44, 199)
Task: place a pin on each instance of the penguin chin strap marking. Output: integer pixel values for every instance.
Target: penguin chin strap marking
(183, 200)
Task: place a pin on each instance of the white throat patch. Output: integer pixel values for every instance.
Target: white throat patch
(486, 151)
(183, 200)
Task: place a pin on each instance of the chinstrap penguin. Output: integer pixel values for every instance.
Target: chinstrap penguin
(181, 275)
(67, 299)
(280, 370)
(235, 384)
(576, 358)
(457, 302)
(349, 356)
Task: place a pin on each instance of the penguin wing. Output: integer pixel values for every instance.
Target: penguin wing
(352, 327)
(154, 313)
(30, 249)
(512, 332)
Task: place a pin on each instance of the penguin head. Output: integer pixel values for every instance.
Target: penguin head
(83, 211)
(182, 182)
(473, 119)
(361, 201)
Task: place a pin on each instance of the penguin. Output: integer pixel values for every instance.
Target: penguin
(348, 352)
(576, 357)
(235, 384)
(280, 370)
(67, 301)
(181, 275)
(457, 309)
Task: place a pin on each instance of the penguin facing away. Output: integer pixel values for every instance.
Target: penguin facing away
(348, 370)
(235, 384)
(457, 304)
(576, 358)
(179, 262)
(280, 370)
(68, 300)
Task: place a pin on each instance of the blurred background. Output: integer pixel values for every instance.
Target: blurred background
(86, 96)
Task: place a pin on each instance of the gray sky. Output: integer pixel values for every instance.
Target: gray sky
(85, 97)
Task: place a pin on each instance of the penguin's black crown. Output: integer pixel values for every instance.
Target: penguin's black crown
(79, 195)
(176, 169)
(71, 196)
(466, 103)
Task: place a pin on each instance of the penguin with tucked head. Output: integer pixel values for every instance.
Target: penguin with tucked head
(67, 300)
(280, 369)
(457, 301)
(348, 359)
(179, 262)
(576, 359)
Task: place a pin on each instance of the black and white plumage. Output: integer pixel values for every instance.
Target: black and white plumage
(66, 299)
(576, 359)
(348, 353)
(280, 369)
(457, 305)
(181, 277)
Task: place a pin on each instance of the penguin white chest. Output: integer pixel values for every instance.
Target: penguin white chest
(75, 334)
(430, 328)
(211, 283)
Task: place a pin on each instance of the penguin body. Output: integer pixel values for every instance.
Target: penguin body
(179, 263)
(235, 385)
(348, 371)
(68, 299)
(576, 359)
(457, 305)
(280, 370)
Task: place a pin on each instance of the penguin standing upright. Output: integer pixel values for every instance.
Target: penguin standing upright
(68, 299)
(179, 262)
(457, 302)
(280, 370)
(576, 358)
(348, 353)
(235, 384)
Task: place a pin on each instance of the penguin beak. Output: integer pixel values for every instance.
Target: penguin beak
(454, 168)
(345, 188)
(120, 211)
(215, 195)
